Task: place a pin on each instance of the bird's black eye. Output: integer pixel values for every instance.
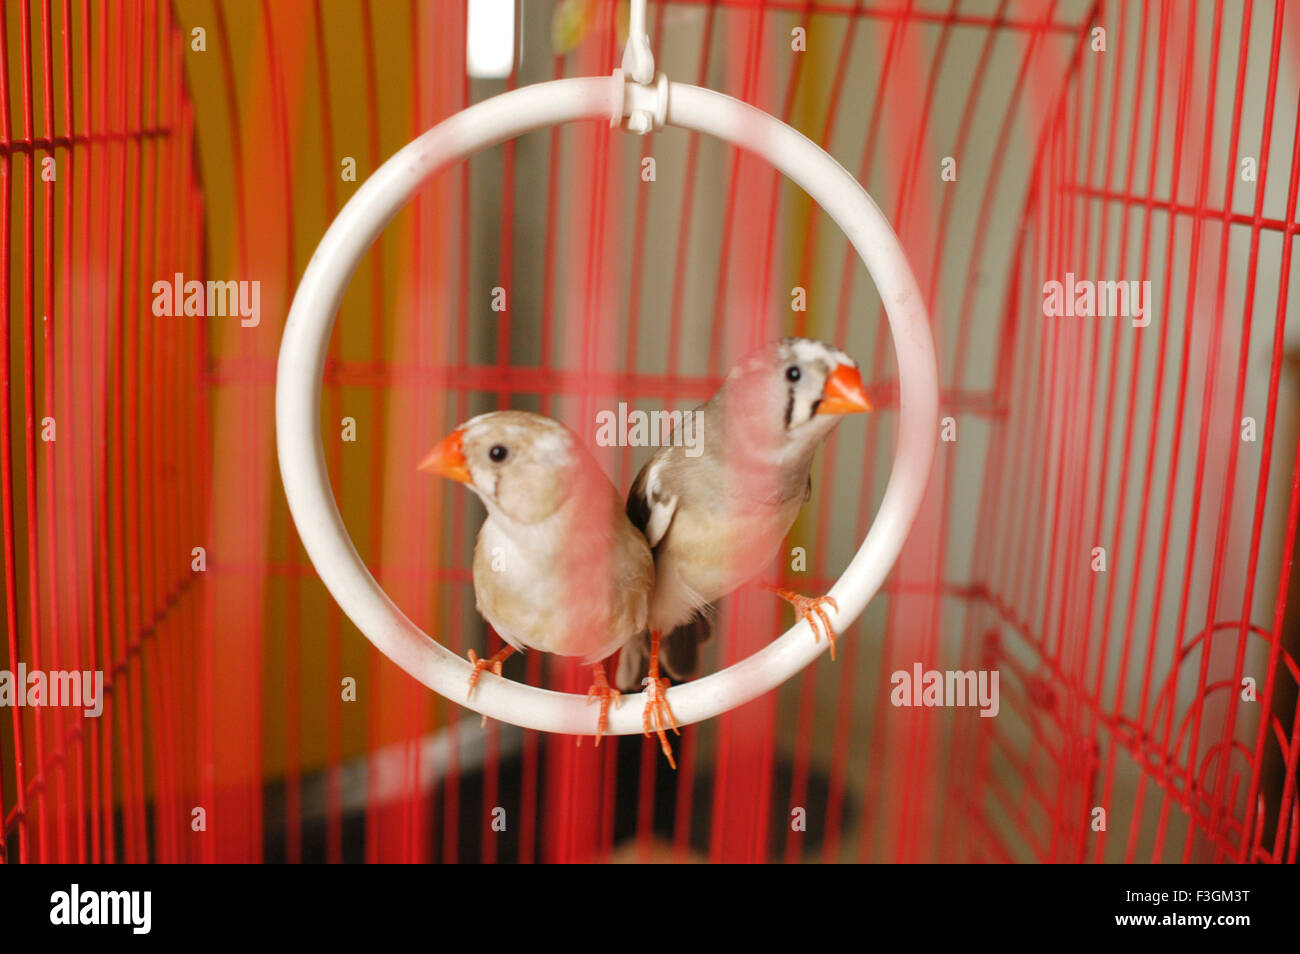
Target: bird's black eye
(498, 453)
(793, 373)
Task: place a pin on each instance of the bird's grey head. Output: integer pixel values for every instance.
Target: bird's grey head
(523, 466)
(793, 392)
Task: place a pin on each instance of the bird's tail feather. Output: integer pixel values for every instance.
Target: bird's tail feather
(679, 654)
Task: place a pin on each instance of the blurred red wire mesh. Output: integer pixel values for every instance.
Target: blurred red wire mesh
(103, 433)
(1114, 156)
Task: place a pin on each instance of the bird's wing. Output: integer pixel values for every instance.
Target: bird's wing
(650, 506)
(680, 652)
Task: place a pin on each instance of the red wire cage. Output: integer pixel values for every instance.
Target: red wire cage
(1109, 524)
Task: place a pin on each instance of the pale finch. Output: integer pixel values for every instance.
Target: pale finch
(715, 521)
(558, 567)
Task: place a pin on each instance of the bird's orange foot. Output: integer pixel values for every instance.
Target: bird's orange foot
(811, 608)
(493, 663)
(658, 714)
(602, 690)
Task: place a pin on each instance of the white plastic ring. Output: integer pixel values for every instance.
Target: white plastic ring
(311, 319)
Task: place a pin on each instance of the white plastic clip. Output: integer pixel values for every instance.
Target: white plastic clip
(641, 97)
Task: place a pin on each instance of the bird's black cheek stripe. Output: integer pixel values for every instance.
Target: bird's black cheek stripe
(789, 407)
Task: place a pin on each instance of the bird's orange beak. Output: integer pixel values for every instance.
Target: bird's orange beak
(844, 392)
(448, 458)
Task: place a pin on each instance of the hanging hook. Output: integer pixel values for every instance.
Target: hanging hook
(638, 60)
(642, 98)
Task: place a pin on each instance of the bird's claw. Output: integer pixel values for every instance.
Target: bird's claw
(658, 714)
(812, 608)
(492, 663)
(607, 694)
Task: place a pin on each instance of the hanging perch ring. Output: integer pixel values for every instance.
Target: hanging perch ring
(311, 319)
